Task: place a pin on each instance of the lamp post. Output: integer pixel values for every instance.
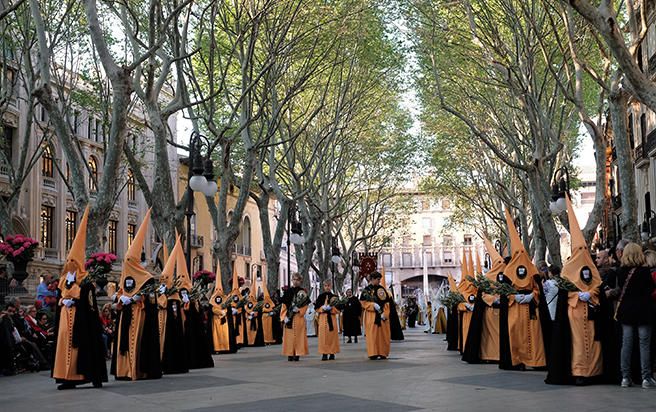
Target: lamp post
(559, 188)
(488, 261)
(335, 258)
(355, 269)
(498, 247)
(201, 179)
(295, 236)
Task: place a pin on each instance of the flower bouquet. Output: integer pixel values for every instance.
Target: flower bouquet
(18, 248)
(99, 265)
(204, 276)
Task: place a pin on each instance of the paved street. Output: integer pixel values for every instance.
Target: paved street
(420, 375)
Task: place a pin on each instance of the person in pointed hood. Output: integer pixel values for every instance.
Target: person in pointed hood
(295, 303)
(223, 333)
(165, 284)
(197, 342)
(138, 350)
(483, 337)
(254, 316)
(240, 330)
(576, 349)
(79, 351)
(524, 327)
(452, 328)
(174, 355)
(468, 291)
(268, 313)
(327, 331)
(375, 302)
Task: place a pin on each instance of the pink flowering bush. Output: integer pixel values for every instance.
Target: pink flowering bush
(100, 263)
(204, 276)
(18, 248)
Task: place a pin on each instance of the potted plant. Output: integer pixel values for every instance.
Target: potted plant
(19, 250)
(99, 265)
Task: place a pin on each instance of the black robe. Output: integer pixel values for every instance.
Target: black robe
(545, 318)
(149, 351)
(258, 330)
(559, 367)
(351, 317)
(396, 330)
(197, 342)
(87, 338)
(505, 357)
(472, 350)
(452, 329)
(175, 356)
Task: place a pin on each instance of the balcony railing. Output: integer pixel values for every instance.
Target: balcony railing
(639, 152)
(4, 169)
(197, 241)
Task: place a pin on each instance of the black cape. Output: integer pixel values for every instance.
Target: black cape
(472, 350)
(87, 338)
(149, 359)
(452, 329)
(351, 317)
(197, 342)
(395, 322)
(175, 356)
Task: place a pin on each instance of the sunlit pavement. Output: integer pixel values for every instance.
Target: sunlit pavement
(419, 375)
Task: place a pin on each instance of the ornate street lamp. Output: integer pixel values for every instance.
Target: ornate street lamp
(335, 258)
(355, 266)
(201, 179)
(295, 236)
(648, 227)
(488, 261)
(559, 188)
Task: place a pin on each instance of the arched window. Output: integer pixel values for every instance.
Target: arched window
(93, 174)
(246, 236)
(131, 187)
(47, 162)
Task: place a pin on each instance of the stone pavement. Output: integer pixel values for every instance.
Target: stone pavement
(420, 375)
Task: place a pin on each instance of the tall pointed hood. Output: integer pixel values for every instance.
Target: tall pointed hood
(235, 279)
(181, 272)
(168, 272)
(134, 276)
(479, 268)
(453, 287)
(579, 268)
(520, 270)
(498, 264)
(464, 267)
(253, 289)
(470, 264)
(218, 297)
(74, 268)
(383, 281)
(268, 302)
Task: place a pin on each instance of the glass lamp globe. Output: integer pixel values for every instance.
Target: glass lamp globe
(562, 204)
(296, 239)
(198, 183)
(553, 207)
(211, 188)
(336, 259)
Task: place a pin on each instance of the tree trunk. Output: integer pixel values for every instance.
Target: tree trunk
(601, 183)
(628, 219)
(543, 216)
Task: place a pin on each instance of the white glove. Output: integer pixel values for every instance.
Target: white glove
(327, 308)
(584, 296)
(469, 307)
(162, 289)
(376, 307)
(68, 302)
(286, 320)
(125, 300)
(185, 297)
(497, 301)
(234, 311)
(528, 298)
(271, 314)
(136, 298)
(382, 317)
(295, 309)
(519, 298)
(70, 277)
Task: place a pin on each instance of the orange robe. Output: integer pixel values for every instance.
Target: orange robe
(220, 331)
(328, 340)
(65, 367)
(526, 345)
(251, 322)
(490, 333)
(377, 337)
(267, 326)
(465, 321)
(294, 339)
(440, 322)
(162, 305)
(127, 364)
(586, 351)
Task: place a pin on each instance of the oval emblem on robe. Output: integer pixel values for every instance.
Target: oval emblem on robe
(522, 272)
(129, 284)
(382, 295)
(500, 277)
(267, 306)
(472, 298)
(586, 275)
(250, 305)
(235, 299)
(218, 300)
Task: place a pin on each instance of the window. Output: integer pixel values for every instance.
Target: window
(76, 123)
(90, 127)
(7, 142)
(407, 259)
(448, 241)
(98, 135)
(131, 187)
(428, 259)
(112, 230)
(47, 236)
(448, 257)
(44, 114)
(132, 230)
(71, 228)
(631, 135)
(446, 204)
(427, 222)
(467, 241)
(93, 174)
(639, 58)
(643, 129)
(387, 260)
(425, 204)
(246, 228)
(47, 162)
(68, 172)
(427, 240)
